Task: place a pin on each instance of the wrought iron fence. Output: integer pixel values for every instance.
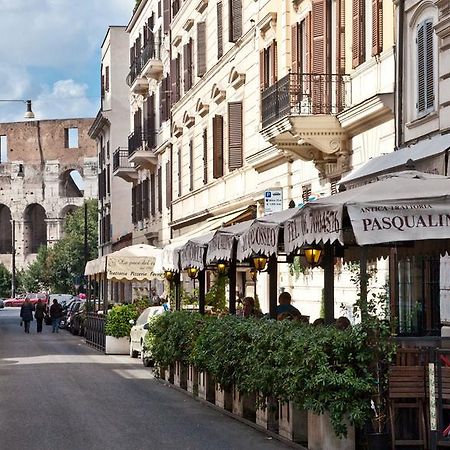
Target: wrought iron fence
(134, 141)
(152, 50)
(305, 94)
(94, 330)
(120, 159)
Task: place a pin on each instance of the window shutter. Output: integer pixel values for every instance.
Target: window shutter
(179, 171)
(166, 15)
(168, 183)
(358, 33)
(340, 37)
(173, 80)
(429, 65)
(306, 65)
(152, 195)
(235, 20)
(377, 27)
(217, 146)
(178, 78)
(294, 48)
(201, 49)
(319, 20)
(159, 189)
(421, 68)
(219, 30)
(274, 62)
(145, 200)
(235, 157)
(163, 99)
(191, 165)
(151, 118)
(133, 204)
(262, 70)
(139, 202)
(205, 156)
(186, 67)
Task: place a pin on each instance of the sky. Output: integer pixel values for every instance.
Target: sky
(50, 54)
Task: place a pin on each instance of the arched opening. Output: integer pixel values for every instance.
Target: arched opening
(67, 211)
(6, 230)
(71, 184)
(35, 233)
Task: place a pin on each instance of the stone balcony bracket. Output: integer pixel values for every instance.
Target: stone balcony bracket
(268, 25)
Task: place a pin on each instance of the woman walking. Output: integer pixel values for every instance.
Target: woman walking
(26, 313)
(39, 314)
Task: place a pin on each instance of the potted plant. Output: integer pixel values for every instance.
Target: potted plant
(119, 321)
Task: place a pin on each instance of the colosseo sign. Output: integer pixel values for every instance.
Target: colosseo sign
(273, 201)
(374, 223)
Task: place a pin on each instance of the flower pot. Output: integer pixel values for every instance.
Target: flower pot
(206, 387)
(117, 346)
(377, 441)
(293, 422)
(224, 397)
(321, 434)
(267, 416)
(244, 405)
(180, 375)
(192, 380)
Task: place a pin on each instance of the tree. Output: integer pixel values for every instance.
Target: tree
(5, 281)
(56, 268)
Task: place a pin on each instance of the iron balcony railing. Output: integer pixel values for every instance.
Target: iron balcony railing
(135, 140)
(120, 159)
(152, 50)
(305, 94)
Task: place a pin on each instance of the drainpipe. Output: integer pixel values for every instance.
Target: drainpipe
(398, 84)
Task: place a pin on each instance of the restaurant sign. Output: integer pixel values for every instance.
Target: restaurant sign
(220, 247)
(314, 223)
(261, 238)
(192, 255)
(130, 268)
(374, 223)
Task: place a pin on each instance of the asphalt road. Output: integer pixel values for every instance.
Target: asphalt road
(56, 393)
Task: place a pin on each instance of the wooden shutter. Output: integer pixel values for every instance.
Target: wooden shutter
(133, 204)
(340, 36)
(235, 157)
(358, 33)
(429, 64)
(191, 165)
(166, 15)
(139, 202)
(163, 99)
(205, 156)
(217, 146)
(151, 119)
(145, 199)
(235, 20)
(425, 67)
(219, 30)
(306, 37)
(201, 49)
(152, 194)
(262, 70)
(186, 67)
(159, 189)
(294, 48)
(377, 27)
(168, 183)
(173, 80)
(179, 172)
(273, 62)
(178, 78)
(319, 57)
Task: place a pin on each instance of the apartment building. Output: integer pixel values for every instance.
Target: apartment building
(110, 131)
(47, 169)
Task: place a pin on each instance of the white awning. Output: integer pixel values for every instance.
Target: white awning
(427, 155)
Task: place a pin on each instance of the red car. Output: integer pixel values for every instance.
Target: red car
(19, 300)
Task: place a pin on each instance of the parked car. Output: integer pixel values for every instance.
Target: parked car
(72, 308)
(20, 299)
(138, 332)
(78, 318)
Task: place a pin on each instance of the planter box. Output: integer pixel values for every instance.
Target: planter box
(117, 346)
(169, 374)
(244, 405)
(224, 398)
(293, 423)
(192, 380)
(321, 434)
(267, 417)
(206, 386)
(180, 375)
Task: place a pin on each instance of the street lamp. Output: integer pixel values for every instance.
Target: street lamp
(29, 113)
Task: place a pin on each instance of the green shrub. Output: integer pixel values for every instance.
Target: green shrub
(118, 319)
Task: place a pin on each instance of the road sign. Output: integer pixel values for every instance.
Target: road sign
(273, 200)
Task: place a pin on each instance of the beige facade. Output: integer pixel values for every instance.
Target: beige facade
(37, 182)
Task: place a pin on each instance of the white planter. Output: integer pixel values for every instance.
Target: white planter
(117, 346)
(293, 423)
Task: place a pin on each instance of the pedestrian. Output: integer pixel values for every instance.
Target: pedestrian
(285, 310)
(39, 314)
(56, 312)
(249, 308)
(26, 313)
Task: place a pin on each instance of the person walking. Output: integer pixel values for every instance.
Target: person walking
(56, 312)
(26, 314)
(39, 314)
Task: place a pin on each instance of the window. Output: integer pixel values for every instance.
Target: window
(168, 183)
(179, 172)
(306, 192)
(425, 67)
(235, 156)
(358, 32)
(377, 27)
(417, 301)
(205, 156)
(217, 146)
(268, 65)
(175, 75)
(188, 69)
(201, 49)
(71, 137)
(3, 149)
(159, 189)
(235, 20)
(152, 194)
(191, 165)
(219, 30)
(107, 79)
(145, 200)
(300, 45)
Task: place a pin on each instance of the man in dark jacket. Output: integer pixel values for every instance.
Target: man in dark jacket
(26, 313)
(56, 312)
(39, 314)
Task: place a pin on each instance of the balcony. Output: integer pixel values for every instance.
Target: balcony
(122, 167)
(138, 83)
(152, 66)
(299, 119)
(140, 150)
